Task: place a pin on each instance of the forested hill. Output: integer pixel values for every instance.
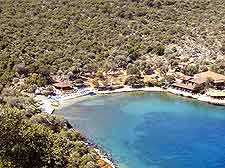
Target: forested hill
(71, 35)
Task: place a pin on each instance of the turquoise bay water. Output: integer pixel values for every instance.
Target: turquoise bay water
(153, 130)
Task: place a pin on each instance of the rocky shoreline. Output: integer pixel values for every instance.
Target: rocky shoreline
(105, 158)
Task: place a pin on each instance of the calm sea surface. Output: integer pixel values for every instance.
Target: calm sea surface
(153, 130)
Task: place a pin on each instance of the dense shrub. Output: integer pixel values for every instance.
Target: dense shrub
(85, 35)
(25, 143)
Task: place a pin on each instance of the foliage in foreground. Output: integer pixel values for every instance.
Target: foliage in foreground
(26, 143)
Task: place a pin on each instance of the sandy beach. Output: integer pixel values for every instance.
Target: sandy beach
(46, 104)
(73, 100)
(68, 102)
(199, 97)
(207, 99)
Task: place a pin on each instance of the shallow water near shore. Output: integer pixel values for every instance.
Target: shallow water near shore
(153, 130)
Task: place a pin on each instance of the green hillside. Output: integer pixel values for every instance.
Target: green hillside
(84, 35)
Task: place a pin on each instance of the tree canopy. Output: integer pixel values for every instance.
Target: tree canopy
(32, 143)
(82, 35)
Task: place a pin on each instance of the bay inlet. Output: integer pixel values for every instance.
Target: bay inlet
(153, 130)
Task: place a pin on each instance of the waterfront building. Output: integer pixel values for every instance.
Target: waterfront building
(64, 86)
(199, 82)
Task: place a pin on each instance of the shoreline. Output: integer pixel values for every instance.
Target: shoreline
(74, 100)
(199, 97)
(104, 156)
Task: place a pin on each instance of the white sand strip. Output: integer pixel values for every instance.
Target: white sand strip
(129, 89)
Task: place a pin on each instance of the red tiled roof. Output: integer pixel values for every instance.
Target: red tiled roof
(183, 85)
(56, 78)
(198, 80)
(63, 84)
(186, 77)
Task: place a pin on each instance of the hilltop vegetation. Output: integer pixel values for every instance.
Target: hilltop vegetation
(84, 35)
